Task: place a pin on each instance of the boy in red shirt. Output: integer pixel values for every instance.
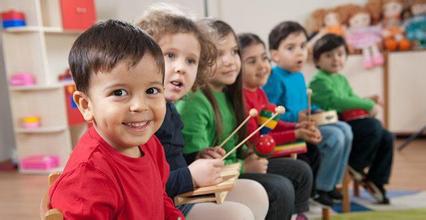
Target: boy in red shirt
(118, 169)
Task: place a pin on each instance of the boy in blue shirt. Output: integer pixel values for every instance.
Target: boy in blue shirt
(286, 86)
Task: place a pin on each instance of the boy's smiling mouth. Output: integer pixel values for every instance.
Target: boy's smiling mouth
(138, 125)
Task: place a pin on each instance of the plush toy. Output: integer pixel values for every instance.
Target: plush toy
(361, 35)
(415, 27)
(388, 13)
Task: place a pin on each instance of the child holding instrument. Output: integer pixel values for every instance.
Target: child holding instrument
(372, 144)
(188, 55)
(210, 114)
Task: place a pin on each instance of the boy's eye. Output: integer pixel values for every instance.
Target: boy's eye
(153, 91)
(119, 92)
(235, 51)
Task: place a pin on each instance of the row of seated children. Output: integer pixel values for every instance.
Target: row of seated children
(118, 169)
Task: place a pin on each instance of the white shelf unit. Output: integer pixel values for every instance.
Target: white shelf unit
(40, 48)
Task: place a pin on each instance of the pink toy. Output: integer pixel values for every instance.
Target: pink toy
(40, 162)
(22, 79)
(30, 122)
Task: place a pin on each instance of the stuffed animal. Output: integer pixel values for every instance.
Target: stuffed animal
(415, 27)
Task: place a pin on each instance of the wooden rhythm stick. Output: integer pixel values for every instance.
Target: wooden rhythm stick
(278, 110)
(252, 113)
(309, 92)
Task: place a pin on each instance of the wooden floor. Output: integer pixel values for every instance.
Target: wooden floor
(20, 194)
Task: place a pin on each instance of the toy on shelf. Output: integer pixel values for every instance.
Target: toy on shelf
(30, 122)
(66, 76)
(388, 13)
(39, 162)
(415, 27)
(22, 79)
(362, 35)
(78, 15)
(216, 193)
(13, 18)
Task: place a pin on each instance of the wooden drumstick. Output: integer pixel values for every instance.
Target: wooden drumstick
(309, 92)
(278, 110)
(252, 113)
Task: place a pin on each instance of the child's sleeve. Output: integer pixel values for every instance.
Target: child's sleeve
(85, 193)
(326, 96)
(180, 181)
(196, 119)
(274, 90)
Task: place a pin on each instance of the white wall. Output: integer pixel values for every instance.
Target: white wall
(258, 16)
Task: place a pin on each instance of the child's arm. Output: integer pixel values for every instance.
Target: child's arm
(180, 181)
(85, 193)
(325, 95)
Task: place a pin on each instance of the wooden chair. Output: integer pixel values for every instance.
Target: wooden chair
(45, 212)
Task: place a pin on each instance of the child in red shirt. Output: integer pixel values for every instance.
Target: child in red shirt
(118, 169)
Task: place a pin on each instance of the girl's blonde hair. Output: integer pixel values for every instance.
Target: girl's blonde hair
(163, 19)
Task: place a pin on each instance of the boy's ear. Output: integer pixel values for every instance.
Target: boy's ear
(274, 55)
(84, 105)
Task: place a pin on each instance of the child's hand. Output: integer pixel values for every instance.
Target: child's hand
(255, 164)
(311, 135)
(374, 111)
(376, 99)
(211, 153)
(303, 116)
(206, 172)
(306, 124)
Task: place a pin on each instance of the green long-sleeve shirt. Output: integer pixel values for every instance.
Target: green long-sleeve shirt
(333, 92)
(199, 123)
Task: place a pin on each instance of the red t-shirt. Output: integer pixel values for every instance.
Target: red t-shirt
(99, 182)
(283, 133)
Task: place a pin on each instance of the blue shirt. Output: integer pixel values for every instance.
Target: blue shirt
(289, 90)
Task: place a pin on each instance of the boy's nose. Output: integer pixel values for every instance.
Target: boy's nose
(180, 67)
(137, 104)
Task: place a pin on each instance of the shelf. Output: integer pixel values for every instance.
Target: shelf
(33, 171)
(41, 130)
(47, 30)
(36, 87)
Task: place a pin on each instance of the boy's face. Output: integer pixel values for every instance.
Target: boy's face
(181, 56)
(256, 66)
(332, 61)
(228, 63)
(291, 53)
(126, 105)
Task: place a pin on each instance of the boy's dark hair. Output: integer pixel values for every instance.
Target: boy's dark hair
(218, 30)
(104, 45)
(248, 39)
(281, 31)
(327, 43)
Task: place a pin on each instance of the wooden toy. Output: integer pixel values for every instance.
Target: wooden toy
(216, 193)
(265, 145)
(13, 18)
(309, 93)
(354, 114)
(22, 79)
(264, 115)
(326, 117)
(31, 122)
(40, 162)
(252, 113)
(278, 110)
(290, 149)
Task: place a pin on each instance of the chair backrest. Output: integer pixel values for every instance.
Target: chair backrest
(45, 212)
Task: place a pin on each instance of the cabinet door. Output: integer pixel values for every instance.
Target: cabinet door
(407, 82)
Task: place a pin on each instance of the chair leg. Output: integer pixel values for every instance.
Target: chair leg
(356, 189)
(325, 213)
(346, 206)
